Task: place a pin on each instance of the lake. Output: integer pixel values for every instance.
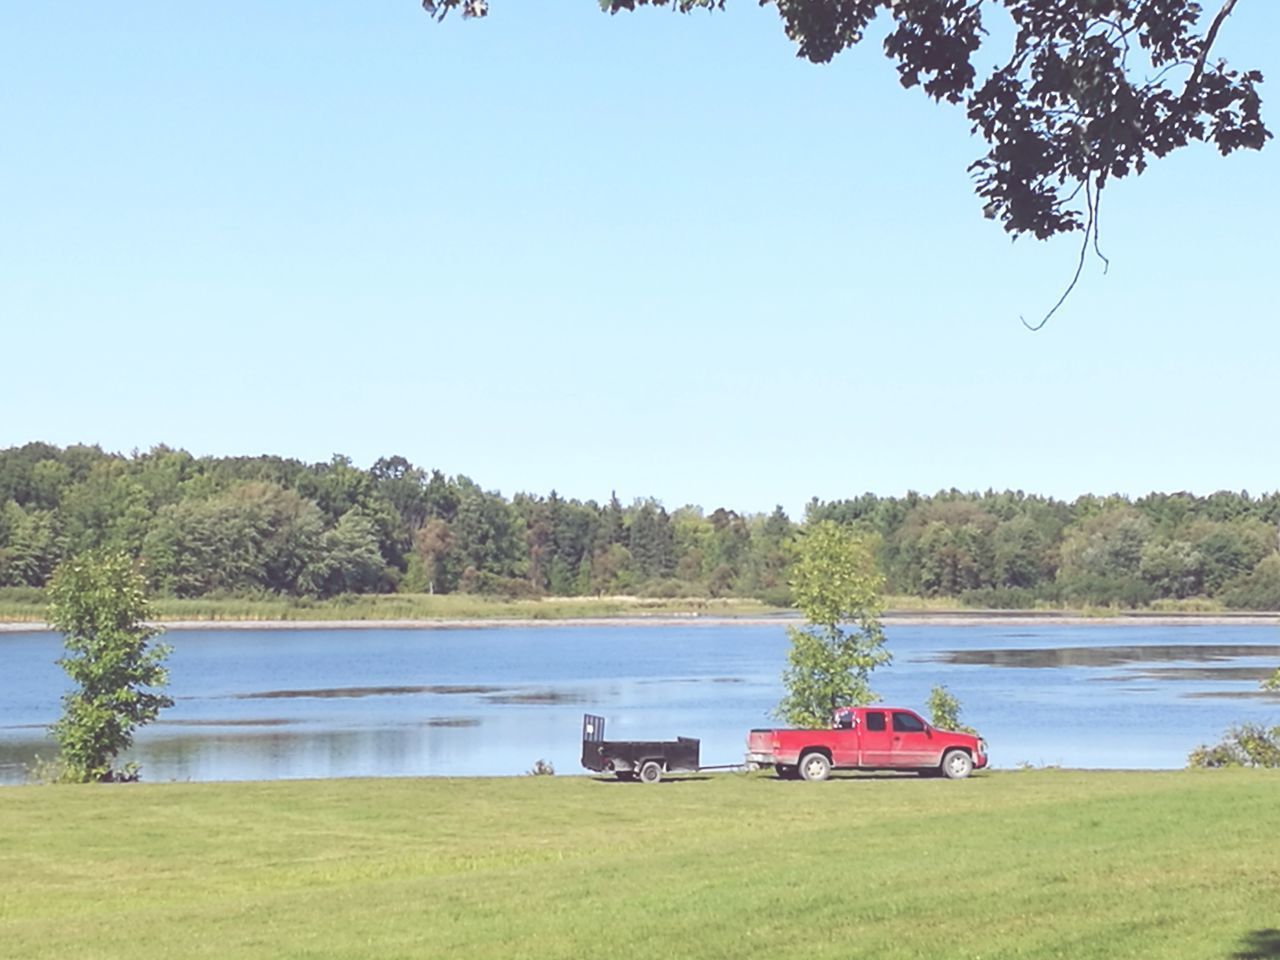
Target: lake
(271, 704)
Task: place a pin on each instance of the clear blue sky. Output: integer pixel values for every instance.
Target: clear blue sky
(649, 253)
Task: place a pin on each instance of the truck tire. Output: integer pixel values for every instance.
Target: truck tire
(815, 767)
(956, 765)
(650, 771)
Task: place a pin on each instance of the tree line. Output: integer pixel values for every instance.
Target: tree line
(245, 526)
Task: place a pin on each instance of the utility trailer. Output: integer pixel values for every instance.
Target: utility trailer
(645, 760)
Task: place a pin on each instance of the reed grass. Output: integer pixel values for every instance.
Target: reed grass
(31, 606)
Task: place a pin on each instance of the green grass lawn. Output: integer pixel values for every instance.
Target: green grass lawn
(1027, 864)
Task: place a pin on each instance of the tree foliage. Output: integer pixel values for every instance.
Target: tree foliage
(944, 710)
(837, 587)
(1011, 549)
(98, 603)
(255, 526)
(1245, 745)
(1090, 91)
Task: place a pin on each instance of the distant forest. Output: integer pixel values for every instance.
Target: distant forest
(255, 526)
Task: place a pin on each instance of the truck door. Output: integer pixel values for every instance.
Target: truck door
(844, 738)
(912, 745)
(877, 747)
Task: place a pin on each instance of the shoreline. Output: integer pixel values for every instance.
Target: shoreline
(983, 618)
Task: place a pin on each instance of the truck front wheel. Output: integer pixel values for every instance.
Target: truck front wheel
(957, 765)
(815, 767)
(650, 772)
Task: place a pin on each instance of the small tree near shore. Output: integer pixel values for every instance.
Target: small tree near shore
(98, 603)
(837, 587)
(944, 711)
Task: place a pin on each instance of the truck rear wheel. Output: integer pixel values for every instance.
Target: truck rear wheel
(957, 765)
(650, 771)
(815, 767)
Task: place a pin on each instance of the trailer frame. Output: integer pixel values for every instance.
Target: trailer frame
(643, 760)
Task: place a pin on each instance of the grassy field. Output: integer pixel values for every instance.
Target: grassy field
(1022, 864)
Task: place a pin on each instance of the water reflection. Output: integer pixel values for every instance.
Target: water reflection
(540, 696)
(444, 688)
(1250, 674)
(696, 680)
(237, 722)
(1104, 656)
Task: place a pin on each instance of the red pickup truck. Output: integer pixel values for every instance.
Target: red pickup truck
(867, 738)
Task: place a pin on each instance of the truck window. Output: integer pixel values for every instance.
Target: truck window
(907, 723)
(875, 722)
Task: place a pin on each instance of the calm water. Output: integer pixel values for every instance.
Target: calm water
(334, 703)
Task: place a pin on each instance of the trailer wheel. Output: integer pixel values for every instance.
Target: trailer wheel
(957, 765)
(650, 771)
(625, 775)
(815, 767)
(786, 771)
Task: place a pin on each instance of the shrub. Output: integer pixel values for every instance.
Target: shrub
(1245, 745)
(668, 589)
(44, 772)
(31, 595)
(485, 584)
(541, 768)
(779, 596)
(1000, 598)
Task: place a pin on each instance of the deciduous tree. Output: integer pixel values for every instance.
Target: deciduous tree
(98, 603)
(1090, 91)
(434, 544)
(837, 586)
